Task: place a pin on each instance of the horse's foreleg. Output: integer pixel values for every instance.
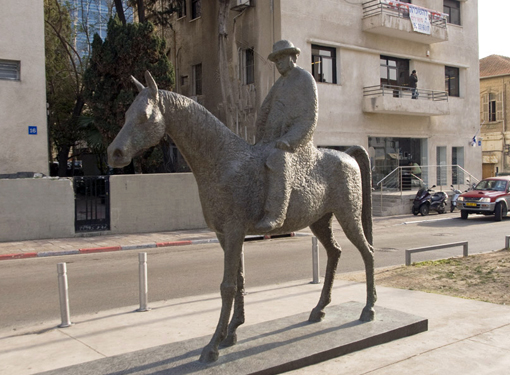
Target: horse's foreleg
(238, 316)
(323, 231)
(232, 246)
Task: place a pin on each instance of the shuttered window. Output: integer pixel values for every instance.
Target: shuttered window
(484, 108)
(9, 70)
(491, 107)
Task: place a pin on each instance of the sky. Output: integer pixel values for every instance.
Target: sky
(493, 27)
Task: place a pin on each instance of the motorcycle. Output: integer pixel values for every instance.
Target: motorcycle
(453, 202)
(456, 193)
(427, 199)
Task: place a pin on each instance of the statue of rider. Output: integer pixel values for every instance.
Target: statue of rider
(286, 121)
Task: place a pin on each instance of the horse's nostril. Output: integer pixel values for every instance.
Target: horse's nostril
(117, 153)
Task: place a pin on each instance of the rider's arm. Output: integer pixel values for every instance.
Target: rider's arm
(262, 114)
(303, 118)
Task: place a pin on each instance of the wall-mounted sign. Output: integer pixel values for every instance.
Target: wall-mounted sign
(32, 130)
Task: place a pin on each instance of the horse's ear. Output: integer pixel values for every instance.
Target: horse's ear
(138, 85)
(151, 83)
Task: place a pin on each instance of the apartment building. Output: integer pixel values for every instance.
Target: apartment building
(361, 54)
(494, 112)
(23, 127)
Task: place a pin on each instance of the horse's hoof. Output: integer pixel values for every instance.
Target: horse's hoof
(229, 341)
(367, 315)
(209, 355)
(316, 315)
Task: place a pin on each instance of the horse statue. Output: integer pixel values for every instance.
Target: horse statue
(230, 176)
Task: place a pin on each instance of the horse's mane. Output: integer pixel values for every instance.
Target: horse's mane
(206, 129)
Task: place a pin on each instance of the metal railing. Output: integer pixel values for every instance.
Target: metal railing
(393, 185)
(401, 10)
(405, 92)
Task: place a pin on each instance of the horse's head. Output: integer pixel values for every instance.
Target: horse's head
(143, 128)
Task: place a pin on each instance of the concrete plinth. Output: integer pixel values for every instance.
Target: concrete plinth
(267, 348)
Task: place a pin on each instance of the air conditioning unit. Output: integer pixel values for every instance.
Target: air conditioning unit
(240, 4)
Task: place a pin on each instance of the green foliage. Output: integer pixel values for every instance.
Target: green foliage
(127, 50)
(63, 79)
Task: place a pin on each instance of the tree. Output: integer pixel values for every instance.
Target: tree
(156, 11)
(63, 81)
(129, 49)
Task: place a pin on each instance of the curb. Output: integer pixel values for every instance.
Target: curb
(107, 249)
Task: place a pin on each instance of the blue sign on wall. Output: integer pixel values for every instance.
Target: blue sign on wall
(32, 130)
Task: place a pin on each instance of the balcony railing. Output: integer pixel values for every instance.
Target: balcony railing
(401, 10)
(405, 92)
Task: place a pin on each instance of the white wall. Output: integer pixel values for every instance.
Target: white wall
(38, 208)
(23, 103)
(34, 208)
(154, 203)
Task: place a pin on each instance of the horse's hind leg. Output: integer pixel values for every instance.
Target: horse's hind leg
(238, 316)
(323, 231)
(353, 229)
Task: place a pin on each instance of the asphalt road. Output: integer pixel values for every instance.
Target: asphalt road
(104, 281)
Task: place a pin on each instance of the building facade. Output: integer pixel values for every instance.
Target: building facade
(494, 108)
(23, 126)
(361, 55)
(91, 17)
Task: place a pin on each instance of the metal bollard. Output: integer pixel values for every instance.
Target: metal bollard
(142, 271)
(315, 261)
(63, 293)
(507, 242)
(243, 268)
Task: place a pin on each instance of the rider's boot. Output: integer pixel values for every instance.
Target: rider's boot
(277, 201)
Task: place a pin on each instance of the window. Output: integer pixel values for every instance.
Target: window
(492, 107)
(458, 176)
(324, 64)
(246, 66)
(181, 8)
(441, 168)
(452, 8)
(451, 81)
(196, 9)
(394, 72)
(197, 79)
(9, 70)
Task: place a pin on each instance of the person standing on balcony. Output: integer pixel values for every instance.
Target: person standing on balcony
(413, 84)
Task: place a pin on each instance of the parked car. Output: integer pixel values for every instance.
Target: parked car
(490, 196)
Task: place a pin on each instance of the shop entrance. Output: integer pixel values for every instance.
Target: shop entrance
(389, 153)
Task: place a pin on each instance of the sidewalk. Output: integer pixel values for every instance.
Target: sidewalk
(464, 337)
(117, 242)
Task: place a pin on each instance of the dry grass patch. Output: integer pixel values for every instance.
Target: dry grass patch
(484, 277)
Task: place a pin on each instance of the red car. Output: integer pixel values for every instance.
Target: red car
(489, 197)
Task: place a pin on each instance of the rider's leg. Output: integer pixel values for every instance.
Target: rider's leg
(277, 193)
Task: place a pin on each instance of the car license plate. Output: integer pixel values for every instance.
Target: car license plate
(469, 204)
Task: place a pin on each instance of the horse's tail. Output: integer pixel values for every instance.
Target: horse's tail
(363, 160)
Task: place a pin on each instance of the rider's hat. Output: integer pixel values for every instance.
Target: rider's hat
(283, 47)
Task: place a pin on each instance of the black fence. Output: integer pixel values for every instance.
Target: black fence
(91, 203)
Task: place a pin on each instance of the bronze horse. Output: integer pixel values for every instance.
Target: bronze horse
(230, 178)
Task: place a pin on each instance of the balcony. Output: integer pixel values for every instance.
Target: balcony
(397, 100)
(392, 18)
